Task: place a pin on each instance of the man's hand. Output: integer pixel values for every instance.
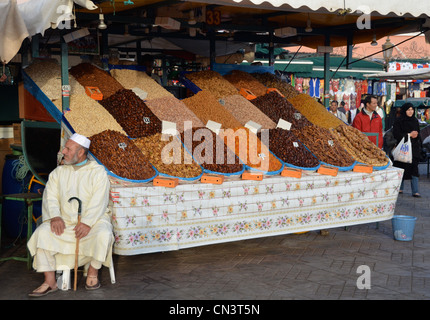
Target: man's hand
(57, 226)
(81, 230)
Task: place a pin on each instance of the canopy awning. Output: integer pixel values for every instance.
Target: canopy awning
(412, 74)
(313, 67)
(414, 8)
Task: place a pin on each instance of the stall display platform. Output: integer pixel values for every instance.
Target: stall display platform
(149, 219)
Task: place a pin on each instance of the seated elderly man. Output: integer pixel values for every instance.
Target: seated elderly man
(53, 243)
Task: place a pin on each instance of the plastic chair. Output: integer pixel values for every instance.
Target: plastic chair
(64, 282)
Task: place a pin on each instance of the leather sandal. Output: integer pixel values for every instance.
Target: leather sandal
(48, 289)
(416, 195)
(94, 286)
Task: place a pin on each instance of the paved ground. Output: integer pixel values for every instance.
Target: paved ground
(307, 266)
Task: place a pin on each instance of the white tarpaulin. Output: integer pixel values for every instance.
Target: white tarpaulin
(383, 7)
(412, 74)
(24, 18)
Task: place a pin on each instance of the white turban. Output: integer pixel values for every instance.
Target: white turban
(81, 140)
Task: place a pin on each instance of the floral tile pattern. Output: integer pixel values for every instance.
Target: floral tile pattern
(152, 219)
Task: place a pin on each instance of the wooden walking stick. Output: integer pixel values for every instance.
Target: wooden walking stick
(77, 242)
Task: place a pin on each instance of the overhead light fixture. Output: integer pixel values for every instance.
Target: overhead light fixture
(374, 43)
(102, 25)
(192, 21)
(308, 25)
(388, 49)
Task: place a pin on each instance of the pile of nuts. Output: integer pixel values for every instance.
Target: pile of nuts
(89, 75)
(213, 82)
(206, 107)
(210, 151)
(314, 111)
(167, 154)
(243, 110)
(285, 145)
(121, 156)
(322, 143)
(174, 110)
(130, 79)
(241, 79)
(132, 114)
(277, 107)
(359, 146)
(272, 81)
(250, 149)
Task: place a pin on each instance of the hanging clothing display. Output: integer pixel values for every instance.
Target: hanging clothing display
(314, 88)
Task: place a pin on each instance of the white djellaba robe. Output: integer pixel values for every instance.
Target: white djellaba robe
(90, 184)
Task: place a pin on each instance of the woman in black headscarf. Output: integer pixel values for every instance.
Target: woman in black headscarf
(406, 124)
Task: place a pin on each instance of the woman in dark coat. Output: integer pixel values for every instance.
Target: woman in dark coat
(406, 124)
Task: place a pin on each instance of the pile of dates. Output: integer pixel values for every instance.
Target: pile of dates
(210, 151)
(133, 115)
(287, 147)
(120, 155)
(277, 107)
(324, 146)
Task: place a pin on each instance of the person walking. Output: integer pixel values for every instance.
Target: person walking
(369, 121)
(406, 124)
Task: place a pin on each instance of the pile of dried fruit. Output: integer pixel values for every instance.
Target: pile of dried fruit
(314, 111)
(250, 149)
(210, 151)
(89, 75)
(277, 107)
(359, 146)
(121, 156)
(272, 81)
(285, 145)
(213, 82)
(167, 154)
(241, 79)
(243, 110)
(322, 143)
(206, 107)
(174, 110)
(132, 114)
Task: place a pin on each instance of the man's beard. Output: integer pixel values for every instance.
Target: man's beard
(74, 160)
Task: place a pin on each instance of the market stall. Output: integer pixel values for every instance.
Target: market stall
(328, 182)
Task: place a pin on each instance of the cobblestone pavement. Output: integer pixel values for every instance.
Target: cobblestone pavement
(307, 266)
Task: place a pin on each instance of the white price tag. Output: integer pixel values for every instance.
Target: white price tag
(122, 145)
(330, 143)
(146, 120)
(295, 144)
(168, 128)
(254, 127)
(140, 93)
(283, 124)
(214, 126)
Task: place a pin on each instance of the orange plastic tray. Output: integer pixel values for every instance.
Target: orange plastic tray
(94, 93)
(246, 175)
(165, 182)
(274, 90)
(212, 178)
(364, 168)
(291, 172)
(331, 171)
(247, 94)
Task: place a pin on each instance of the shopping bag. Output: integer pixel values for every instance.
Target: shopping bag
(403, 151)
